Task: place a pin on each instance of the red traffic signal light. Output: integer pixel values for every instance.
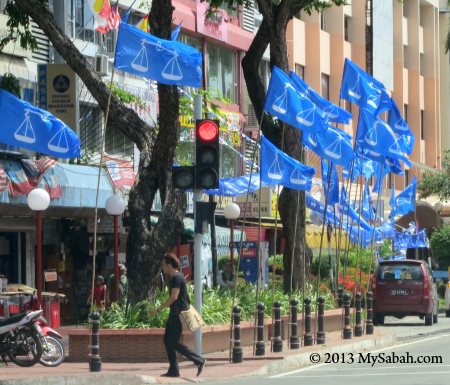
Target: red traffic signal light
(207, 130)
(207, 152)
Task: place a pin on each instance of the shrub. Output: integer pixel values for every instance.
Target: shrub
(440, 245)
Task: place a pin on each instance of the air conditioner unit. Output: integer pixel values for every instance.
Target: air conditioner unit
(101, 64)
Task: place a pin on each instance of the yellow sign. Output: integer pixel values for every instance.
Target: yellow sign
(61, 93)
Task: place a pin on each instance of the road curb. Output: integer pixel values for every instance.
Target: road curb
(303, 359)
(87, 379)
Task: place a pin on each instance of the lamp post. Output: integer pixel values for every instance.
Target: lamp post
(231, 212)
(38, 200)
(115, 206)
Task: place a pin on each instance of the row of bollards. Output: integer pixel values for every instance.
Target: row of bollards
(308, 338)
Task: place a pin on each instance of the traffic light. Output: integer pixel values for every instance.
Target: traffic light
(207, 151)
(183, 177)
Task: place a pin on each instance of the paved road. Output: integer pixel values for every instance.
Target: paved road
(421, 357)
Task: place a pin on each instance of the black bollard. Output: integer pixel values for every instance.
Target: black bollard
(340, 297)
(237, 350)
(277, 341)
(320, 331)
(260, 345)
(369, 321)
(294, 341)
(307, 337)
(358, 324)
(347, 326)
(95, 361)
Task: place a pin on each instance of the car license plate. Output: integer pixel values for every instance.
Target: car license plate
(399, 292)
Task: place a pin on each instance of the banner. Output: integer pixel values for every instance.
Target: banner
(121, 172)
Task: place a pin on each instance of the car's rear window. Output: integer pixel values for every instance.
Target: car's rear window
(399, 271)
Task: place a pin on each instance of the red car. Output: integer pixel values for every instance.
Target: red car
(404, 287)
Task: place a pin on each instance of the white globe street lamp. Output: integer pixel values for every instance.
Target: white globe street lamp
(115, 206)
(38, 200)
(231, 212)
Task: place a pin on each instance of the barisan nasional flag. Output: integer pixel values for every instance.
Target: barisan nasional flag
(378, 138)
(405, 202)
(292, 106)
(27, 126)
(330, 183)
(165, 61)
(278, 168)
(363, 90)
(335, 113)
(333, 144)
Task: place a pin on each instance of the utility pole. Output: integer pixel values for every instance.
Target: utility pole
(197, 245)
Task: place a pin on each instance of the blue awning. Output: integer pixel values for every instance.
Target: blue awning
(78, 185)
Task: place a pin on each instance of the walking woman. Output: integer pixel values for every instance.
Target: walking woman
(178, 301)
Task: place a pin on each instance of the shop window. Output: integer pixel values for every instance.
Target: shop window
(221, 71)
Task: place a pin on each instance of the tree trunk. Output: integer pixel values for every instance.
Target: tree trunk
(273, 31)
(145, 246)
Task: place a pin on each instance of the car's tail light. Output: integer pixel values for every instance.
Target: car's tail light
(426, 286)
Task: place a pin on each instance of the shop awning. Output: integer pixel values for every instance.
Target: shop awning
(78, 186)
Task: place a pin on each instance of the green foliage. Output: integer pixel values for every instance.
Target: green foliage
(324, 265)
(19, 26)
(440, 245)
(358, 258)
(11, 84)
(124, 96)
(276, 261)
(436, 182)
(441, 287)
(216, 306)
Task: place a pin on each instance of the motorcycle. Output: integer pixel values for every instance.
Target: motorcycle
(19, 339)
(53, 352)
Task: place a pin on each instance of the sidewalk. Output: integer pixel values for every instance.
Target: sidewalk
(217, 367)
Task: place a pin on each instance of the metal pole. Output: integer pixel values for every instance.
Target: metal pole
(39, 257)
(95, 361)
(197, 247)
(260, 346)
(116, 257)
(232, 241)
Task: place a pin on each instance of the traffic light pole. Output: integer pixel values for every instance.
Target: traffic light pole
(197, 246)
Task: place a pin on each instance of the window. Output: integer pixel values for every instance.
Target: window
(405, 112)
(406, 178)
(325, 85)
(348, 105)
(322, 21)
(84, 21)
(221, 65)
(300, 71)
(422, 125)
(346, 28)
(91, 120)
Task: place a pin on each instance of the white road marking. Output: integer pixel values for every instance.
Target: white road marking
(317, 366)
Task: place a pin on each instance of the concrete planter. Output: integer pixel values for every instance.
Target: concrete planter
(146, 345)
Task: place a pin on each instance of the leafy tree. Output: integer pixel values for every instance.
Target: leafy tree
(276, 16)
(436, 182)
(156, 144)
(440, 245)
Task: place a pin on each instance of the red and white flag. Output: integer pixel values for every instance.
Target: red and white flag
(4, 180)
(112, 17)
(43, 164)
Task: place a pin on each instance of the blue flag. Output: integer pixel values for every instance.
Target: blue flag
(405, 202)
(278, 168)
(332, 192)
(26, 126)
(397, 123)
(367, 210)
(377, 137)
(165, 61)
(237, 186)
(335, 113)
(176, 32)
(293, 107)
(319, 208)
(363, 90)
(334, 145)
